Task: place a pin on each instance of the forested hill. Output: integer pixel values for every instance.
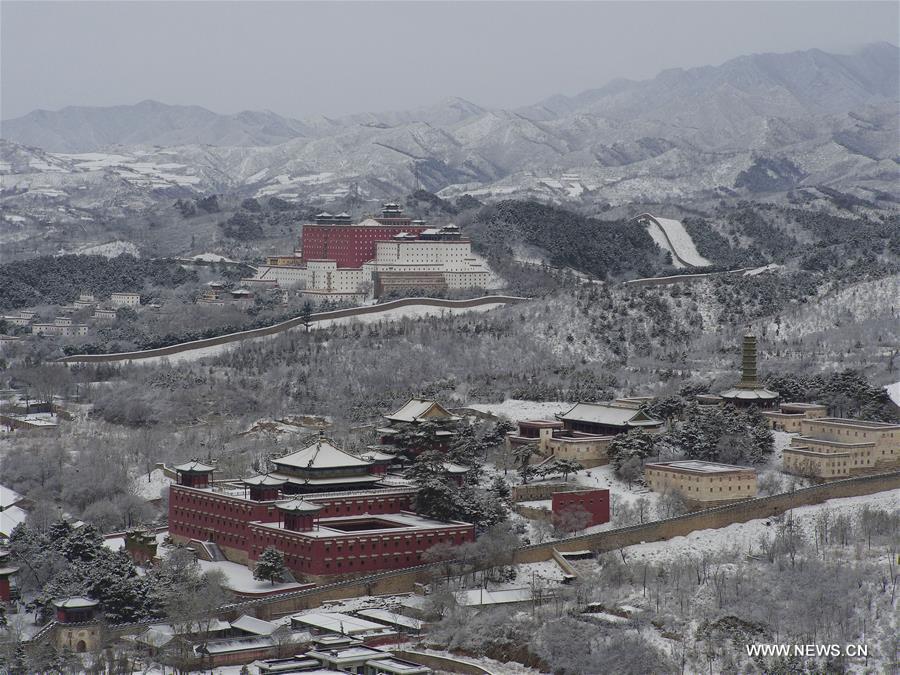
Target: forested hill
(602, 248)
(59, 279)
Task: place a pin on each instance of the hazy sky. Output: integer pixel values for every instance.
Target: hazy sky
(302, 59)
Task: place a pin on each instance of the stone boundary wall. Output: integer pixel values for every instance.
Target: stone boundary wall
(533, 512)
(538, 491)
(441, 663)
(287, 325)
(404, 581)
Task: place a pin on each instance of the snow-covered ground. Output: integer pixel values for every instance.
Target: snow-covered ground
(149, 486)
(746, 536)
(893, 390)
(110, 249)
(239, 578)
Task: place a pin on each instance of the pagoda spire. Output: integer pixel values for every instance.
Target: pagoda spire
(749, 376)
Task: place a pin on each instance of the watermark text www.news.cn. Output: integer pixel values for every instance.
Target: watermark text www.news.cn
(808, 650)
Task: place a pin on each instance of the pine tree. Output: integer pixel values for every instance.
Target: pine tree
(270, 566)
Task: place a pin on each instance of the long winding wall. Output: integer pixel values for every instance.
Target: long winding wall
(289, 324)
(403, 581)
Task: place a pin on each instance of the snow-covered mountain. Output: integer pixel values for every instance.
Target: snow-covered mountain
(761, 123)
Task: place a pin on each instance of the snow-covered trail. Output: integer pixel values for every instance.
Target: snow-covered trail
(671, 236)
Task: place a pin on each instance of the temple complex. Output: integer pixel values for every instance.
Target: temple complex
(584, 432)
(343, 261)
(328, 511)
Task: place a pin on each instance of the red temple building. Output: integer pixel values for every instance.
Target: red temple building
(8, 571)
(350, 245)
(326, 510)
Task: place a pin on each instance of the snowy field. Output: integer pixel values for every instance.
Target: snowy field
(746, 536)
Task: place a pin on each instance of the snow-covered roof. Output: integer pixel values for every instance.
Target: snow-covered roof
(9, 518)
(418, 409)
(157, 636)
(760, 394)
(230, 645)
(370, 222)
(194, 467)
(375, 455)
(603, 413)
(78, 602)
(483, 597)
(250, 624)
(320, 455)
(391, 618)
(336, 622)
(299, 506)
(698, 466)
(452, 467)
(8, 497)
(265, 479)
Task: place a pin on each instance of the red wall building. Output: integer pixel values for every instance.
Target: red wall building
(595, 502)
(349, 245)
(346, 532)
(334, 238)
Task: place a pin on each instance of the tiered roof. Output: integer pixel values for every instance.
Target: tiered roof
(420, 410)
(265, 480)
(320, 455)
(194, 467)
(608, 415)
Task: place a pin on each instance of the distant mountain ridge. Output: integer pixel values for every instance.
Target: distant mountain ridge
(755, 124)
(784, 85)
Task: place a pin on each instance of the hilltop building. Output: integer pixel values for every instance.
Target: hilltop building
(342, 261)
(125, 299)
(749, 391)
(833, 447)
(21, 318)
(702, 483)
(584, 432)
(62, 326)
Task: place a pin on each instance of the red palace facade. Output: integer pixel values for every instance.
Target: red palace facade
(351, 245)
(321, 535)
